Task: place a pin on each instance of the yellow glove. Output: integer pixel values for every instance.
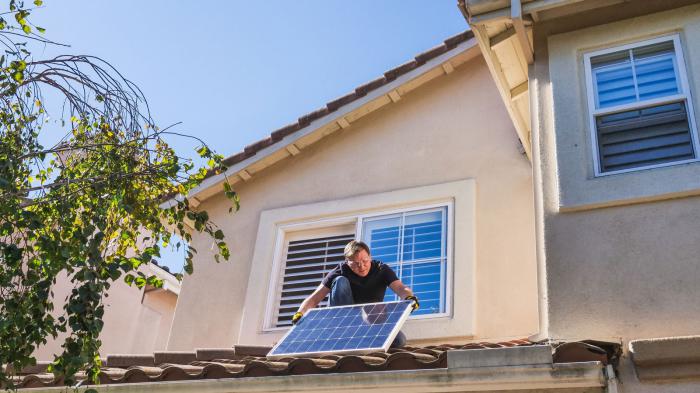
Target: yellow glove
(296, 317)
(416, 305)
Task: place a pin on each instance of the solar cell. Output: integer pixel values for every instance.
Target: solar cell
(359, 328)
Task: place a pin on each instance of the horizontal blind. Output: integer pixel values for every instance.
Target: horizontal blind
(644, 137)
(634, 75)
(306, 263)
(414, 246)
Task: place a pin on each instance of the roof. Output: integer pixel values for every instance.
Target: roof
(249, 361)
(337, 106)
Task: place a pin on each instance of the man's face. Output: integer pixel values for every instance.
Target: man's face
(360, 263)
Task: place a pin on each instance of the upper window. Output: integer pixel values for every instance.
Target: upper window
(640, 106)
(413, 242)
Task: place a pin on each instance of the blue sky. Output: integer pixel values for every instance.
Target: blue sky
(233, 71)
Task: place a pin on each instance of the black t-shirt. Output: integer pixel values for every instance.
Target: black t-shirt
(367, 289)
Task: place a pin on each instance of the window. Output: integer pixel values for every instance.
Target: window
(413, 242)
(640, 107)
(414, 245)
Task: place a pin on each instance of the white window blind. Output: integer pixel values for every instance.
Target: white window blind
(640, 107)
(306, 263)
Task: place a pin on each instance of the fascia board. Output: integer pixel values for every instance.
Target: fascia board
(318, 124)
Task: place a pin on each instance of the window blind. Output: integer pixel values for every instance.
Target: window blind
(306, 263)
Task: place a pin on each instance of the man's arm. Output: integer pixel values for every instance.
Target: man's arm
(314, 299)
(400, 289)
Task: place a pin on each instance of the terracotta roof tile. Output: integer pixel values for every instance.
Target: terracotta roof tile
(250, 361)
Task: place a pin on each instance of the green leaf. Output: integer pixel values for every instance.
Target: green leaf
(219, 234)
(27, 29)
(38, 3)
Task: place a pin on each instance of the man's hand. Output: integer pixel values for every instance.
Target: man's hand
(416, 305)
(296, 317)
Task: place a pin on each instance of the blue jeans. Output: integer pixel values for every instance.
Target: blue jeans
(341, 295)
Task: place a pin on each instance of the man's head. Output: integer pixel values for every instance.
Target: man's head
(358, 258)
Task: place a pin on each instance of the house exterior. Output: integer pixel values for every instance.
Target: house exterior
(534, 180)
(136, 321)
(613, 91)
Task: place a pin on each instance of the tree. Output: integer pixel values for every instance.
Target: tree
(89, 206)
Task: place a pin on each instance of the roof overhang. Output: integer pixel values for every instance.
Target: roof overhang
(503, 29)
(573, 376)
(341, 119)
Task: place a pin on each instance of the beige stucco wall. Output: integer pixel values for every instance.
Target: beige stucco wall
(130, 324)
(452, 129)
(629, 270)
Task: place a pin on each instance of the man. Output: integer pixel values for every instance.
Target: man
(358, 280)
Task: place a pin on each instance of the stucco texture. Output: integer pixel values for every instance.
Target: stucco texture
(454, 128)
(626, 271)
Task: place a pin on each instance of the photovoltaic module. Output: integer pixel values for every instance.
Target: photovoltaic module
(359, 328)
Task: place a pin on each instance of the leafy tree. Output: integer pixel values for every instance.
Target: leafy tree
(88, 207)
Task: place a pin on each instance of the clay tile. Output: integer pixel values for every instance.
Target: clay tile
(236, 158)
(111, 375)
(259, 369)
(369, 86)
(217, 371)
(139, 374)
(177, 373)
(309, 117)
(257, 146)
(303, 366)
(403, 361)
(338, 102)
(458, 39)
(351, 364)
(38, 368)
(181, 357)
(251, 350)
(39, 381)
(215, 353)
(400, 70)
(431, 54)
(129, 360)
(372, 360)
(579, 352)
(284, 131)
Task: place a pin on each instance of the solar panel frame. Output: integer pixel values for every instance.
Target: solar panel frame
(384, 347)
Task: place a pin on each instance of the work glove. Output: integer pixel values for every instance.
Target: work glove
(296, 317)
(415, 305)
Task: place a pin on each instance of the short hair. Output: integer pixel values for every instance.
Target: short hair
(354, 247)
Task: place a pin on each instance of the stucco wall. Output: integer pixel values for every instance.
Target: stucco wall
(629, 270)
(454, 128)
(130, 325)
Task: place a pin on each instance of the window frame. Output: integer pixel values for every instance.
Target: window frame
(287, 231)
(683, 96)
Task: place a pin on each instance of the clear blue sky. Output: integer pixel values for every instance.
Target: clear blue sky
(233, 71)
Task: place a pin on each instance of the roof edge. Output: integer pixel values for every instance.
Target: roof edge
(342, 111)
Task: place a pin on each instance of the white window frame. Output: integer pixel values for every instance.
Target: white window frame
(683, 96)
(284, 231)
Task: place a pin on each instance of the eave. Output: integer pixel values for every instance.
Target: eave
(339, 115)
(583, 375)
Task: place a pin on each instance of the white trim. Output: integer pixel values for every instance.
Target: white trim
(387, 342)
(282, 239)
(683, 96)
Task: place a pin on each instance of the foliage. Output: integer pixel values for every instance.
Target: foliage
(87, 209)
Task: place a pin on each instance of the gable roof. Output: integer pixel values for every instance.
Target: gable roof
(342, 112)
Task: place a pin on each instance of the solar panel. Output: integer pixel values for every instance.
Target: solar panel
(355, 329)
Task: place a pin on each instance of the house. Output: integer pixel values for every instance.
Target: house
(551, 154)
(613, 103)
(136, 321)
